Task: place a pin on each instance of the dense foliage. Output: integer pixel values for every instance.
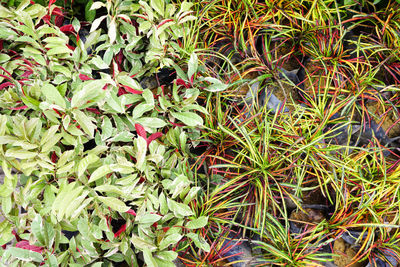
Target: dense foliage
(160, 132)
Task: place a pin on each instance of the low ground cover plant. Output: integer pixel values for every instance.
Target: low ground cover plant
(199, 133)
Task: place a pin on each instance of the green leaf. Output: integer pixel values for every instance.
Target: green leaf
(142, 244)
(90, 91)
(37, 229)
(167, 255)
(149, 259)
(4, 58)
(163, 204)
(96, 22)
(106, 129)
(49, 134)
(140, 109)
(188, 118)
(128, 81)
(199, 241)
(100, 172)
(98, 62)
(197, 223)
(151, 122)
(90, 13)
(85, 162)
(141, 150)
(149, 218)
(115, 103)
(112, 31)
(124, 136)
(180, 210)
(85, 122)
(216, 85)
(20, 153)
(171, 239)
(59, 50)
(50, 143)
(114, 203)
(193, 65)
(25, 254)
(158, 5)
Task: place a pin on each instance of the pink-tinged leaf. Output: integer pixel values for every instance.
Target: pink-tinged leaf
(131, 90)
(120, 57)
(120, 231)
(57, 11)
(182, 82)
(27, 62)
(19, 108)
(94, 110)
(54, 157)
(84, 77)
(153, 137)
(67, 28)
(132, 212)
(47, 19)
(26, 73)
(192, 79)
(25, 245)
(4, 85)
(121, 91)
(140, 131)
(59, 20)
(177, 124)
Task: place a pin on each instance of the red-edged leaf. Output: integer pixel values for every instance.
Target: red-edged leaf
(70, 47)
(3, 69)
(84, 77)
(27, 62)
(120, 57)
(121, 230)
(132, 212)
(163, 22)
(67, 28)
(140, 131)
(131, 90)
(4, 85)
(19, 108)
(153, 137)
(25, 245)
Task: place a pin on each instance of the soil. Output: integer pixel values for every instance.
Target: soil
(242, 90)
(310, 215)
(345, 254)
(289, 62)
(286, 92)
(388, 122)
